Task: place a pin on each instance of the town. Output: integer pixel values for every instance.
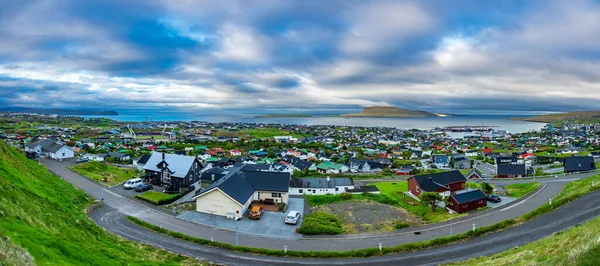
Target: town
(211, 173)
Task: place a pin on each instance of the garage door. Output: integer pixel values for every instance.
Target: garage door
(215, 202)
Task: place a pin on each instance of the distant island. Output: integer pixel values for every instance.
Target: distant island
(581, 116)
(284, 115)
(390, 111)
(56, 111)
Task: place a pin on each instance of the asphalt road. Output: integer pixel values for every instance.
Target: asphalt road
(570, 215)
(112, 218)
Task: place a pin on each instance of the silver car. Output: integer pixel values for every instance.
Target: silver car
(292, 217)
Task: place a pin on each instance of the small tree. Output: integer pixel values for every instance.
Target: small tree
(430, 198)
(487, 188)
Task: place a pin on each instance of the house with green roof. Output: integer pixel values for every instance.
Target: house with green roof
(331, 168)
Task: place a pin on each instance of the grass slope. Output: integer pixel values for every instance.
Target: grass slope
(44, 215)
(520, 190)
(97, 170)
(576, 246)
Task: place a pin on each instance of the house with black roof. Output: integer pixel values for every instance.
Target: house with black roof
(510, 171)
(576, 164)
(232, 195)
(320, 186)
(174, 172)
(302, 165)
(467, 201)
(445, 183)
(140, 162)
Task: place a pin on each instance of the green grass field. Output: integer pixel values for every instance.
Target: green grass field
(520, 190)
(98, 170)
(43, 214)
(156, 197)
(271, 132)
(396, 193)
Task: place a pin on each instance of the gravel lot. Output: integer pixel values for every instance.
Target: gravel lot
(368, 216)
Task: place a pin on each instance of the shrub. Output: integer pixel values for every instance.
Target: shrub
(320, 223)
(401, 225)
(346, 196)
(281, 206)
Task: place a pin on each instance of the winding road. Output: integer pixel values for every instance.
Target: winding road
(112, 217)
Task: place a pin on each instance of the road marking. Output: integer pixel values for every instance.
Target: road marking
(518, 203)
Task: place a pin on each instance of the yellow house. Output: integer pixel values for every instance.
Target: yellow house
(231, 195)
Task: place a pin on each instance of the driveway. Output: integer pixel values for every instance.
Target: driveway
(504, 200)
(270, 224)
(130, 193)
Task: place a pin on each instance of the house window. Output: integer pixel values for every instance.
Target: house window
(276, 195)
(300, 191)
(63, 154)
(480, 201)
(464, 205)
(166, 178)
(337, 189)
(417, 188)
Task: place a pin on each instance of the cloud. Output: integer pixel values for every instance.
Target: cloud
(251, 55)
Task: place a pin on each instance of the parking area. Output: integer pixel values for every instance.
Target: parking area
(505, 200)
(130, 193)
(271, 224)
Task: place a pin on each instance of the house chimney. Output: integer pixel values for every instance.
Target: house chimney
(328, 179)
(163, 156)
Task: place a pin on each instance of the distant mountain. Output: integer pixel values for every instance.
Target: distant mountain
(57, 111)
(390, 111)
(581, 116)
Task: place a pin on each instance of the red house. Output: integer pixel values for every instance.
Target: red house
(467, 201)
(445, 183)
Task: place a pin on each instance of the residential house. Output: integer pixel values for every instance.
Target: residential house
(51, 148)
(174, 172)
(329, 167)
(302, 165)
(445, 183)
(141, 162)
(406, 170)
(475, 173)
(119, 156)
(510, 171)
(461, 162)
(235, 153)
(320, 186)
(467, 201)
(441, 161)
(576, 164)
(232, 195)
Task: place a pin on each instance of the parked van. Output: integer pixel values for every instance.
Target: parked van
(132, 183)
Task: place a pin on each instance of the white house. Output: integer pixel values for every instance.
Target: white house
(231, 195)
(320, 186)
(94, 157)
(236, 153)
(51, 148)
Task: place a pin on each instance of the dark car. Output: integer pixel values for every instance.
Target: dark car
(143, 187)
(494, 198)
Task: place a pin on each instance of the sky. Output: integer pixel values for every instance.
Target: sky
(278, 56)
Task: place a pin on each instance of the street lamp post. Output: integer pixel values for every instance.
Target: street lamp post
(236, 232)
(451, 222)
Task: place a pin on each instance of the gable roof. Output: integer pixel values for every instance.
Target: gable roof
(444, 178)
(444, 159)
(469, 196)
(511, 169)
(179, 164)
(240, 185)
(302, 164)
(143, 159)
(579, 163)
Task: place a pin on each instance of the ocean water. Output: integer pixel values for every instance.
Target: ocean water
(500, 121)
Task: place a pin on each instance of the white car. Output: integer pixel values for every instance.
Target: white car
(292, 217)
(132, 183)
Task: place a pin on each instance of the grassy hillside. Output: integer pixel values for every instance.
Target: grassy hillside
(389, 111)
(98, 170)
(586, 116)
(44, 215)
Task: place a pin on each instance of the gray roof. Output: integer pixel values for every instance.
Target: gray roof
(469, 196)
(117, 154)
(32, 145)
(321, 182)
(511, 169)
(54, 147)
(179, 164)
(240, 185)
(579, 163)
(443, 178)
